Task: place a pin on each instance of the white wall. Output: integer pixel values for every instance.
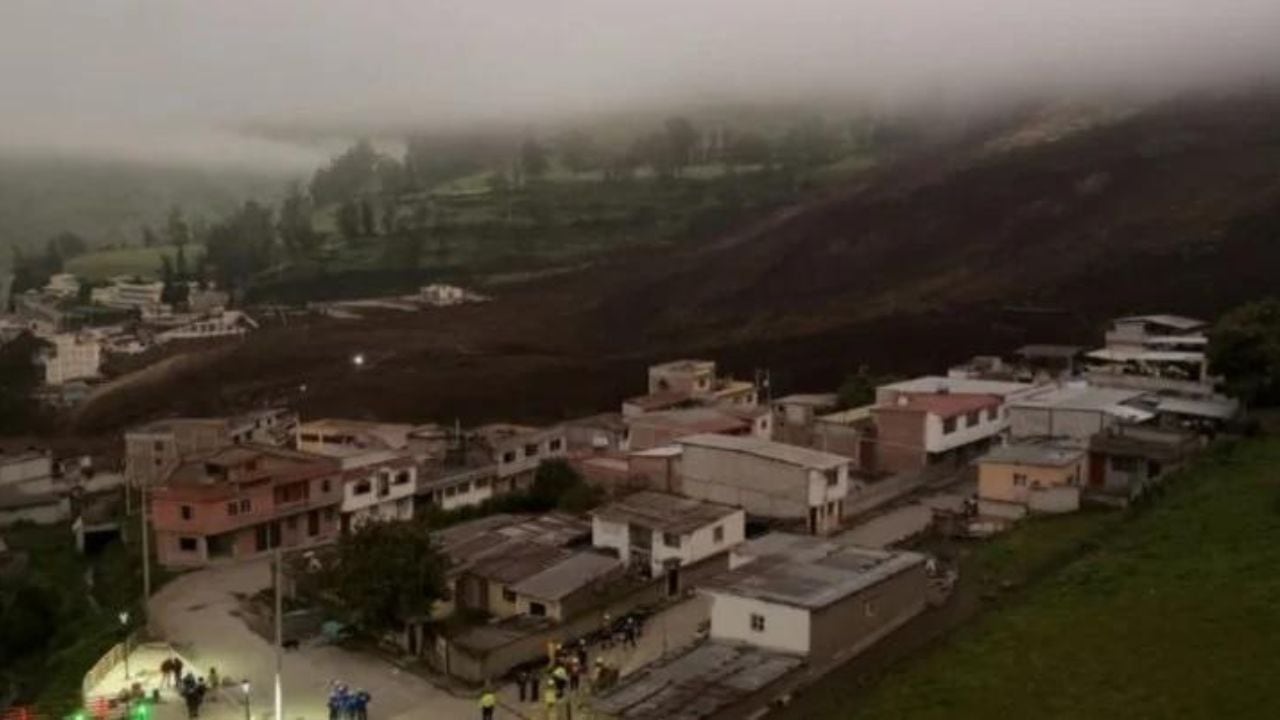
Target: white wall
(937, 442)
(521, 461)
(759, 485)
(72, 359)
(353, 502)
(699, 544)
(46, 514)
(786, 628)
(28, 469)
(611, 535)
(472, 492)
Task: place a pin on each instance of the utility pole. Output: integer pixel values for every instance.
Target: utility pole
(146, 552)
(279, 698)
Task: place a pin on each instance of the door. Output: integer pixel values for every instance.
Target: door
(673, 582)
(1097, 470)
(313, 523)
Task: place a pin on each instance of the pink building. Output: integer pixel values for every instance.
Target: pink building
(240, 501)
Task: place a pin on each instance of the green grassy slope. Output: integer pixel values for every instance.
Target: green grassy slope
(1176, 615)
(140, 261)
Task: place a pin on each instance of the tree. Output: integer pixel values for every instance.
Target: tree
(20, 374)
(1244, 347)
(386, 573)
(149, 237)
(533, 159)
(180, 270)
(349, 220)
(682, 138)
(556, 485)
(84, 293)
(859, 389)
(69, 245)
(368, 221)
(748, 149)
(177, 229)
(297, 235)
(578, 151)
(347, 175)
(241, 245)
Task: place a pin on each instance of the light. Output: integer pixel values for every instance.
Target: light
(124, 617)
(358, 359)
(244, 687)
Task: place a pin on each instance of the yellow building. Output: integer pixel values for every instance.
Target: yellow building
(1039, 477)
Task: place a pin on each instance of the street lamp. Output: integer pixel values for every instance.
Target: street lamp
(124, 625)
(358, 360)
(244, 688)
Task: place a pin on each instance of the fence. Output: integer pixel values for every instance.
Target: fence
(109, 660)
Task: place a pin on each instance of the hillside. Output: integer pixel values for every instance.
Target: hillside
(974, 246)
(1172, 614)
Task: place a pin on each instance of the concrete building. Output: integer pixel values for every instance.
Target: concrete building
(934, 384)
(62, 285)
(687, 383)
(336, 437)
(794, 417)
(1014, 479)
(604, 432)
(72, 356)
(153, 450)
(661, 533)
(225, 324)
(241, 501)
(817, 600)
(519, 449)
(1075, 411)
(915, 431)
(377, 485)
(1167, 350)
(566, 588)
(767, 479)
(1124, 461)
(129, 293)
(24, 467)
(655, 429)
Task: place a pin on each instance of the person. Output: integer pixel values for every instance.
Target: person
(362, 698)
(177, 670)
(630, 631)
(189, 695)
(522, 680)
(200, 690)
(597, 675)
(166, 672)
(574, 671)
(560, 677)
(488, 701)
(213, 677)
(335, 704)
(549, 699)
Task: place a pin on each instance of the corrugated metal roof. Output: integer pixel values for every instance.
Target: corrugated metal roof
(567, 576)
(768, 449)
(664, 513)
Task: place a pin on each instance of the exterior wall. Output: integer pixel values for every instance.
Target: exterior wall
(151, 456)
(1014, 483)
(1057, 422)
(498, 604)
(900, 440)
(760, 486)
(1054, 500)
(937, 441)
(554, 610)
(693, 548)
(465, 494)
(786, 629)
(698, 379)
(43, 514)
(514, 456)
(826, 500)
(72, 359)
(659, 473)
(26, 469)
(850, 625)
(611, 535)
(384, 486)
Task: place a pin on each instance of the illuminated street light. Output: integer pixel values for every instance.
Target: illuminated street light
(358, 359)
(244, 688)
(124, 625)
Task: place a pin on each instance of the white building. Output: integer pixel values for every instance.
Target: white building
(766, 478)
(126, 293)
(377, 485)
(661, 532)
(931, 384)
(72, 357)
(519, 449)
(63, 285)
(228, 323)
(821, 600)
(1075, 411)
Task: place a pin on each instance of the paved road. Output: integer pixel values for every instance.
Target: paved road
(195, 612)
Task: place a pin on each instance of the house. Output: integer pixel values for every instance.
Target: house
(489, 554)
(795, 415)
(62, 285)
(153, 450)
(850, 433)
(450, 485)
(129, 293)
(1125, 460)
(25, 467)
(377, 485)
(519, 449)
(1036, 477)
(1153, 352)
(821, 601)
(1156, 332)
(19, 504)
(684, 383)
(933, 384)
(336, 437)
(1206, 414)
(224, 324)
(604, 432)
(915, 431)
(767, 479)
(567, 587)
(656, 429)
(658, 533)
(72, 356)
(241, 501)
(1075, 411)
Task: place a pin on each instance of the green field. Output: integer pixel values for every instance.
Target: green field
(140, 261)
(1174, 614)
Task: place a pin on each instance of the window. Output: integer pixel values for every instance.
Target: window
(295, 492)
(362, 488)
(757, 622)
(993, 413)
(1019, 480)
(450, 491)
(245, 506)
(833, 477)
(555, 444)
(948, 425)
(402, 477)
(159, 446)
(482, 483)
(531, 450)
(231, 509)
(671, 540)
(328, 514)
(869, 608)
(509, 456)
(292, 523)
(186, 512)
(971, 419)
(717, 534)
(508, 595)
(187, 544)
(159, 462)
(537, 609)
(325, 486)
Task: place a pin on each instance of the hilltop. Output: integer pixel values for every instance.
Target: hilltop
(1003, 235)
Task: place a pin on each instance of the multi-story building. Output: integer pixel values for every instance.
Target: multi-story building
(376, 485)
(1164, 353)
(918, 430)
(240, 501)
(333, 436)
(129, 293)
(517, 450)
(660, 533)
(683, 383)
(224, 324)
(153, 450)
(767, 479)
(72, 356)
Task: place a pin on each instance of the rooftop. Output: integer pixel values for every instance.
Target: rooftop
(607, 421)
(790, 454)
(813, 583)
(684, 365)
(935, 383)
(693, 420)
(1079, 397)
(1158, 444)
(259, 462)
(518, 562)
(659, 400)
(800, 548)
(1035, 454)
(471, 541)
(661, 512)
(695, 684)
(1218, 408)
(1179, 322)
(946, 404)
(848, 417)
(1113, 355)
(809, 400)
(1049, 352)
(567, 576)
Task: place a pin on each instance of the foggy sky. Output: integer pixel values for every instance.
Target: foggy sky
(177, 79)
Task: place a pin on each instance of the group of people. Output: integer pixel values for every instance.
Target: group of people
(347, 705)
(192, 689)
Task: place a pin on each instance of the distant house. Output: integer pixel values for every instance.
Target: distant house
(822, 601)
(225, 324)
(767, 479)
(655, 429)
(566, 588)
(1036, 477)
(661, 533)
(129, 293)
(686, 383)
(915, 431)
(1075, 411)
(440, 295)
(1163, 353)
(63, 285)
(603, 432)
(153, 450)
(1007, 391)
(519, 449)
(794, 416)
(1125, 460)
(72, 356)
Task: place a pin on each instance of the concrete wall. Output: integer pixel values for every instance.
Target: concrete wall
(786, 629)
(1014, 483)
(937, 441)
(43, 514)
(849, 626)
(1054, 500)
(900, 438)
(761, 486)
(1027, 422)
(701, 543)
(385, 483)
(20, 471)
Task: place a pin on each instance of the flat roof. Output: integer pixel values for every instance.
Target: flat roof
(1035, 454)
(1079, 397)
(934, 383)
(662, 512)
(1061, 352)
(518, 562)
(697, 420)
(471, 541)
(945, 405)
(790, 454)
(1212, 408)
(848, 417)
(567, 576)
(800, 548)
(1181, 322)
(808, 399)
(1114, 355)
(658, 400)
(695, 684)
(812, 584)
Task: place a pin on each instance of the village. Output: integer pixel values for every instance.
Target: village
(733, 547)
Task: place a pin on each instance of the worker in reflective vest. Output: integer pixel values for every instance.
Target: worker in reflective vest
(488, 701)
